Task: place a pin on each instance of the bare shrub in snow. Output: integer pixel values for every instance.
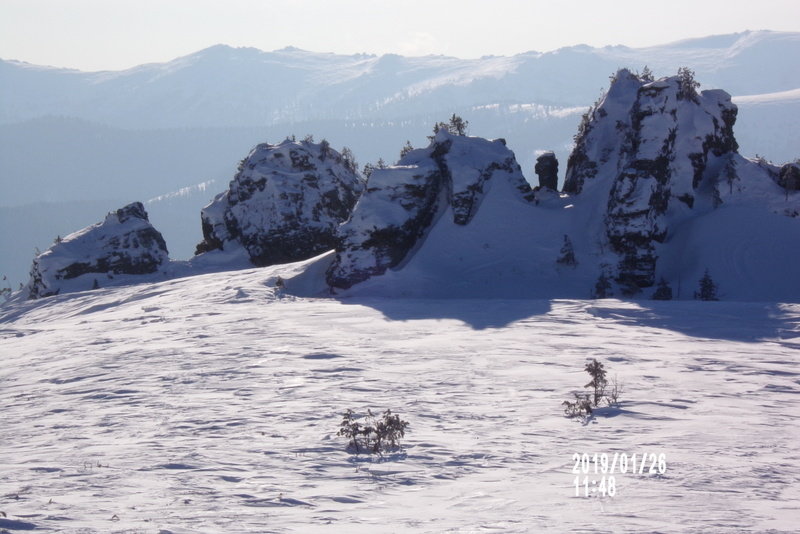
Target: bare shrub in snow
(615, 391)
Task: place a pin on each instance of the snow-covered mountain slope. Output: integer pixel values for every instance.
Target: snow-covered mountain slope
(211, 404)
(284, 204)
(224, 86)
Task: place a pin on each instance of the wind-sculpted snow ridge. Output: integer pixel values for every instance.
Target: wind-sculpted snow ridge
(125, 243)
(660, 153)
(284, 204)
(401, 203)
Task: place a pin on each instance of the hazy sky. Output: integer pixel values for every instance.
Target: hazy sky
(116, 34)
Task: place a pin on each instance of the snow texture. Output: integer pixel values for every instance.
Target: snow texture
(125, 243)
(211, 404)
(284, 204)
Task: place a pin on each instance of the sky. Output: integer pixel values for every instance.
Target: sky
(118, 34)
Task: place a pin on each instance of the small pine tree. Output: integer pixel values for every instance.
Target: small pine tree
(349, 160)
(598, 382)
(688, 85)
(663, 291)
(567, 253)
(406, 149)
(708, 289)
(646, 75)
(5, 292)
(602, 288)
(325, 149)
(368, 168)
(457, 125)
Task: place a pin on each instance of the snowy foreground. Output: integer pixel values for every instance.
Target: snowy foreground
(211, 404)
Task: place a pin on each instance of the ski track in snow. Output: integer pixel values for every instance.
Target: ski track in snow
(211, 404)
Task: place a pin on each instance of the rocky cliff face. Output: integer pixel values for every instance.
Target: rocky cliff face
(547, 170)
(125, 243)
(284, 204)
(650, 147)
(448, 178)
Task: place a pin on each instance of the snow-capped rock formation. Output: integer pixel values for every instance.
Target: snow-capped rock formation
(658, 151)
(401, 203)
(284, 204)
(125, 243)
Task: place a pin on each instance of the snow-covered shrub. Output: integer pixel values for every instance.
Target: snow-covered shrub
(580, 407)
(373, 435)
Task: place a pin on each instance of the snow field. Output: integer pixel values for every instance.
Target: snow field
(210, 404)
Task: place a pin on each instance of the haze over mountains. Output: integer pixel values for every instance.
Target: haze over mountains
(74, 145)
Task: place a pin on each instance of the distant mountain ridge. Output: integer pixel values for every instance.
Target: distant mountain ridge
(225, 86)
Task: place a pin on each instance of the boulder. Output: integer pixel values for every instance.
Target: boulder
(284, 204)
(125, 243)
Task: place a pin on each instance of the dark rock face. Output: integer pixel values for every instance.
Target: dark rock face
(284, 204)
(660, 142)
(546, 169)
(125, 243)
(789, 177)
(401, 203)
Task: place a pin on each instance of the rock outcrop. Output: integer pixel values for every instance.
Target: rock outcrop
(649, 147)
(546, 169)
(284, 204)
(125, 243)
(402, 202)
(789, 177)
